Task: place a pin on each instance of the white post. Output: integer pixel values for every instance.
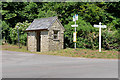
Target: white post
(100, 26)
(100, 37)
(75, 32)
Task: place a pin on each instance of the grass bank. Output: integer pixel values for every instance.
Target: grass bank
(69, 52)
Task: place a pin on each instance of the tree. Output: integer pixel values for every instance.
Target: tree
(22, 34)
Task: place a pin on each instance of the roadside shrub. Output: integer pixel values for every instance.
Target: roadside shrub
(22, 33)
(111, 39)
(84, 34)
(88, 36)
(4, 31)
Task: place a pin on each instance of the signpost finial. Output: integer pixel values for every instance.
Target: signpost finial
(100, 23)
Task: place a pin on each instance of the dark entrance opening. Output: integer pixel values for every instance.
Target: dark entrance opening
(38, 41)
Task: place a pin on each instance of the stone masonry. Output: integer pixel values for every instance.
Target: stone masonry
(45, 39)
(32, 41)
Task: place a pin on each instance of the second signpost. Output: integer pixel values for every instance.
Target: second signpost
(75, 33)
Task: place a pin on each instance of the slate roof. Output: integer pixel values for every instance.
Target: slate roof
(43, 23)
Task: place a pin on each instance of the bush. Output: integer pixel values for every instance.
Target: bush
(111, 39)
(88, 36)
(4, 30)
(84, 34)
(22, 33)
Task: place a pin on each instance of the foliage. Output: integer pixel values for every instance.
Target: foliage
(85, 34)
(110, 39)
(22, 34)
(89, 14)
(4, 30)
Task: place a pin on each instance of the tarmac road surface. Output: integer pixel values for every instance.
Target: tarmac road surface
(27, 65)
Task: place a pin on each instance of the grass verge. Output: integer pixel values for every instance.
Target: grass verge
(69, 52)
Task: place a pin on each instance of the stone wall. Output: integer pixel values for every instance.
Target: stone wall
(56, 44)
(32, 41)
(44, 41)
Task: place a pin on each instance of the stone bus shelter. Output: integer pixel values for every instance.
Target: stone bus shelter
(45, 34)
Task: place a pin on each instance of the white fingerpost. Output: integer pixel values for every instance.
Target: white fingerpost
(100, 37)
(74, 34)
(100, 26)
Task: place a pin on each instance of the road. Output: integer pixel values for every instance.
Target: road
(27, 65)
